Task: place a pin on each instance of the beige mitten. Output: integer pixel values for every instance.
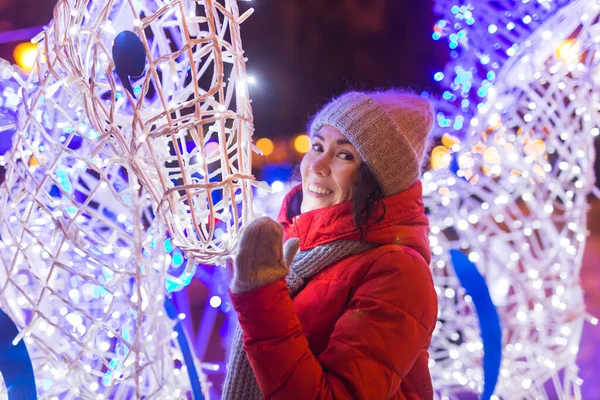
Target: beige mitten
(261, 259)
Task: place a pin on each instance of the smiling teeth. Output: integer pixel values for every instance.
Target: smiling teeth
(318, 190)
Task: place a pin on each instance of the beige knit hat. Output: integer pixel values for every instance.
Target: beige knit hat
(388, 129)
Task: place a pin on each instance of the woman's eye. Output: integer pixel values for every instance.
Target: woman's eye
(346, 156)
(317, 147)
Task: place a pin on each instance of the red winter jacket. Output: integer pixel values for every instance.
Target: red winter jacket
(360, 329)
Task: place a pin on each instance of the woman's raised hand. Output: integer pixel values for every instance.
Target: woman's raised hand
(261, 257)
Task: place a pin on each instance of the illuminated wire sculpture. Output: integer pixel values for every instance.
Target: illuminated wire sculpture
(524, 85)
(134, 132)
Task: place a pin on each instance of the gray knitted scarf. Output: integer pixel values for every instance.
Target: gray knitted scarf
(240, 383)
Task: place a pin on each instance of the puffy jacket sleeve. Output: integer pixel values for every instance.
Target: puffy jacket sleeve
(388, 322)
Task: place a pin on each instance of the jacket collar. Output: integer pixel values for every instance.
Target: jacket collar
(404, 222)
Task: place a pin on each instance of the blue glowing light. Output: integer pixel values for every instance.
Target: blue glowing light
(173, 284)
(114, 366)
(489, 322)
(458, 123)
(438, 76)
(63, 180)
(186, 351)
(15, 363)
(177, 259)
(168, 246)
(463, 78)
(492, 29)
(443, 122)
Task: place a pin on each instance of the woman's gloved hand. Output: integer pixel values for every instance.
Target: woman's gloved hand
(261, 258)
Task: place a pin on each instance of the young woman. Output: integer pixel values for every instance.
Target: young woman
(352, 314)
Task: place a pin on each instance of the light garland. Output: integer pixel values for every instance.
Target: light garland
(511, 194)
(99, 177)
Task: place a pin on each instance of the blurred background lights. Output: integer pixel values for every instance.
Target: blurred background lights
(440, 157)
(266, 146)
(277, 187)
(25, 55)
(215, 301)
(567, 49)
(302, 144)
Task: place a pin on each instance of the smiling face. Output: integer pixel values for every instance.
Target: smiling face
(329, 170)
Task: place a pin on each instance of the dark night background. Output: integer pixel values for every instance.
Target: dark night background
(303, 52)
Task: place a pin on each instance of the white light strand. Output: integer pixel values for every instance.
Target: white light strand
(98, 179)
(524, 169)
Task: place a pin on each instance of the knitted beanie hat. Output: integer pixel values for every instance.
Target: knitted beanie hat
(388, 129)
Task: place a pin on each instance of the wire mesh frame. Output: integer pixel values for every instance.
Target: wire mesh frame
(182, 191)
(518, 208)
(83, 267)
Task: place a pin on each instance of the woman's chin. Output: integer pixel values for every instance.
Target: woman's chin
(312, 205)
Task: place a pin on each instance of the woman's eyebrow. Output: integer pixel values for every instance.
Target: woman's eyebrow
(339, 141)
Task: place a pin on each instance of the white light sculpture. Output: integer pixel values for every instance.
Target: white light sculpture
(99, 176)
(524, 85)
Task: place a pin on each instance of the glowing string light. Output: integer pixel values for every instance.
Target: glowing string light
(99, 175)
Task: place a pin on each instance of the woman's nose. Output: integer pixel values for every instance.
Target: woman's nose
(321, 165)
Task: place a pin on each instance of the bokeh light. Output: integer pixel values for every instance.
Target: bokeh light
(567, 48)
(440, 158)
(302, 144)
(25, 55)
(215, 301)
(266, 146)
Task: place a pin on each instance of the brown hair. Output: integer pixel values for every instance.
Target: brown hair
(367, 193)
